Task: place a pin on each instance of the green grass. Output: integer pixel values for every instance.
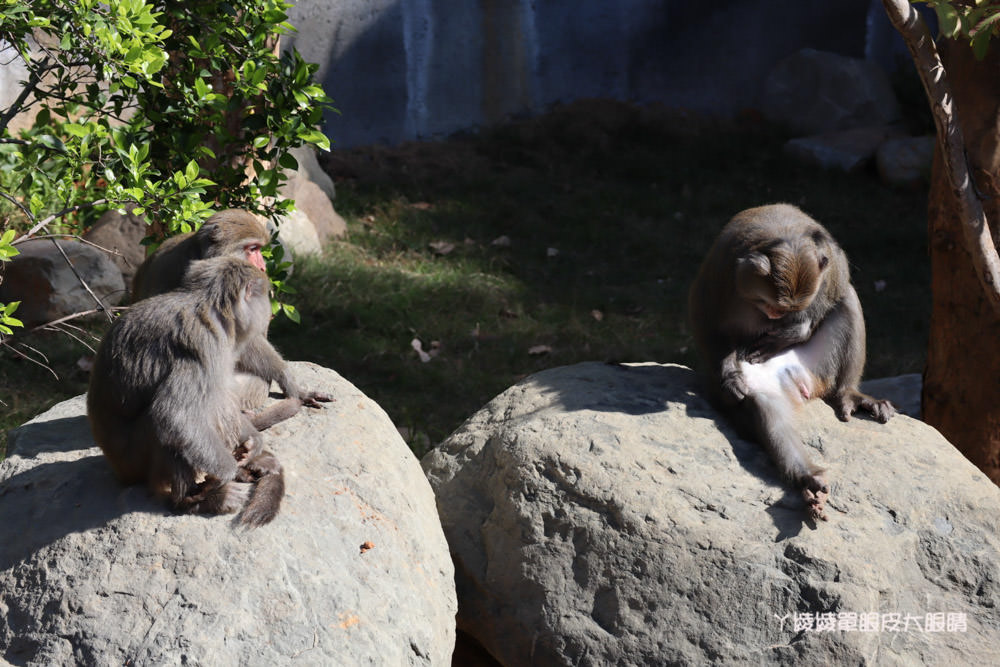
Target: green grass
(628, 198)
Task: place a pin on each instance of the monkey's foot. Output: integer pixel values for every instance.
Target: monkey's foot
(313, 399)
(846, 405)
(815, 492)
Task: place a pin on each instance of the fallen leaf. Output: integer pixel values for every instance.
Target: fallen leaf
(419, 349)
(368, 545)
(879, 285)
(422, 206)
(85, 363)
(537, 350)
(597, 315)
(501, 242)
(441, 247)
(551, 252)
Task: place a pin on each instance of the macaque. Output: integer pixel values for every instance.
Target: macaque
(228, 233)
(163, 403)
(777, 323)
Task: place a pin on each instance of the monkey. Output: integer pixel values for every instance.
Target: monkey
(232, 233)
(777, 323)
(163, 401)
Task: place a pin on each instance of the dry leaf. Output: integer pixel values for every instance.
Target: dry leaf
(85, 363)
(441, 247)
(367, 545)
(501, 241)
(551, 252)
(422, 206)
(537, 350)
(597, 315)
(418, 347)
(879, 285)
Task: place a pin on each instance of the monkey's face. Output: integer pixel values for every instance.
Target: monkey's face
(251, 252)
(780, 280)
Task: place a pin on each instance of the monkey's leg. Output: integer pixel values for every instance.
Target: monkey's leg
(771, 420)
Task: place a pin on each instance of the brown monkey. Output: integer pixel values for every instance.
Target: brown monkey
(777, 322)
(228, 233)
(163, 404)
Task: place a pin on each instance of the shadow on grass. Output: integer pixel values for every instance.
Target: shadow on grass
(568, 238)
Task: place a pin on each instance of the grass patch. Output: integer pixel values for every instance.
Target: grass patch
(608, 209)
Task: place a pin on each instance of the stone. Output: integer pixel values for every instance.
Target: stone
(314, 222)
(47, 287)
(606, 515)
(846, 150)
(814, 92)
(310, 169)
(121, 233)
(354, 570)
(297, 235)
(905, 162)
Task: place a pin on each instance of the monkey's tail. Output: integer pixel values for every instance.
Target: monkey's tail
(265, 501)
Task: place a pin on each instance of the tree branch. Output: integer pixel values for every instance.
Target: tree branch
(976, 228)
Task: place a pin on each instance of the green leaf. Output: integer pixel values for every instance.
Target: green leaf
(949, 22)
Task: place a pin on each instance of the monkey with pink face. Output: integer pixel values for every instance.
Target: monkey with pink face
(777, 323)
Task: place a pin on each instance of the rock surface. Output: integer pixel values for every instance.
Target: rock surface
(813, 92)
(905, 162)
(846, 150)
(354, 570)
(603, 514)
(123, 234)
(48, 288)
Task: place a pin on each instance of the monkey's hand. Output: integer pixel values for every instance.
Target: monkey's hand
(815, 491)
(313, 399)
(849, 402)
(734, 387)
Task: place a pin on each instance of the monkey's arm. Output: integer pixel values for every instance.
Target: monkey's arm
(261, 359)
(835, 354)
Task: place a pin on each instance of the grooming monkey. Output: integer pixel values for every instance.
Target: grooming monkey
(777, 323)
(163, 402)
(228, 233)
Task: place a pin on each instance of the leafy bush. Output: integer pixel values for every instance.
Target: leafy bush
(174, 107)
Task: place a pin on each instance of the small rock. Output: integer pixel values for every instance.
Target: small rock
(847, 150)
(905, 162)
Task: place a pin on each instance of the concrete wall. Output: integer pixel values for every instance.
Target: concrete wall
(405, 69)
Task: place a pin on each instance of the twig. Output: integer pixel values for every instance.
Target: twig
(97, 300)
(975, 225)
(29, 87)
(66, 211)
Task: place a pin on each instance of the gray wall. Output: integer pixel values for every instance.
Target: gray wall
(406, 69)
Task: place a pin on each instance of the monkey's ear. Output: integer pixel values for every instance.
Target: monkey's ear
(754, 263)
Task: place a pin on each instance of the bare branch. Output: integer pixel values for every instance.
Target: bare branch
(28, 89)
(66, 211)
(976, 228)
(97, 300)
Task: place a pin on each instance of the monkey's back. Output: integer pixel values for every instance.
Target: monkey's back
(154, 367)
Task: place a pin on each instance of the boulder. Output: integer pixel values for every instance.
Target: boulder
(354, 570)
(48, 288)
(607, 515)
(314, 222)
(310, 169)
(121, 233)
(813, 92)
(846, 150)
(905, 162)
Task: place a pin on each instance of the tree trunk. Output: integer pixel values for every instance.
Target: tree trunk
(961, 392)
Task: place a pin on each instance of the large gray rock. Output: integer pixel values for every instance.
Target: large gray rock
(354, 570)
(607, 515)
(845, 150)
(814, 92)
(48, 288)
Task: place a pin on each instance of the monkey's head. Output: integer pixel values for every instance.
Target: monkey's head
(783, 277)
(234, 233)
